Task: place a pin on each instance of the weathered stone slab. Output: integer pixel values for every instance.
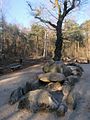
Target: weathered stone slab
(51, 77)
(39, 100)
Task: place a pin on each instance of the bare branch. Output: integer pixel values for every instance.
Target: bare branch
(46, 21)
(69, 2)
(52, 2)
(49, 27)
(65, 5)
(42, 20)
(30, 6)
(51, 14)
(73, 5)
(36, 12)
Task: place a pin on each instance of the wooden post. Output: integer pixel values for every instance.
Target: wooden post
(45, 45)
(36, 45)
(78, 49)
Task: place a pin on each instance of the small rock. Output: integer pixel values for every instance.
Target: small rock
(72, 100)
(56, 86)
(67, 71)
(75, 70)
(77, 65)
(27, 87)
(16, 95)
(72, 79)
(62, 109)
(66, 89)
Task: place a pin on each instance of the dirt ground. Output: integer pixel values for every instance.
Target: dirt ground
(10, 82)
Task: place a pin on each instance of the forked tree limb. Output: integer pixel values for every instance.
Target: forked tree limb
(30, 6)
(42, 20)
(46, 21)
(65, 5)
(52, 2)
(73, 5)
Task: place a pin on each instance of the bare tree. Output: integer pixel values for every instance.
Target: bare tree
(63, 7)
(3, 11)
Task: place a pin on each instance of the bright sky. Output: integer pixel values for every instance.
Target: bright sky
(17, 11)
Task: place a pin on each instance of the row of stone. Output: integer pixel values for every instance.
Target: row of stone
(52, 91)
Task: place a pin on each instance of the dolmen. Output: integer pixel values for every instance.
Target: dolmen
(52, 91)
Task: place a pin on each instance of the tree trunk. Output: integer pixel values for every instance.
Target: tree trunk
(59, 41)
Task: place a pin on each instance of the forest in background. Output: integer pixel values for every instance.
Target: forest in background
(39, 41)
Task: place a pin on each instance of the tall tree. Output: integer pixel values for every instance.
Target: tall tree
(72, 31)
(63, 7)
(37, 34)
(73, 38)
(85, 27)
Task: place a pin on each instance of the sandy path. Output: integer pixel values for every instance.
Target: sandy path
(11, 81)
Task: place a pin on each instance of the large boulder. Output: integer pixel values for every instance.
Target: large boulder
(72, 79)
(38, 100)
(56, 86)
(76, 69)
(60, 67)
(69, 85)
(51, 77)
(75, 64)
(66, 71)
(72, 100)
(53, 66)
(16, 95)
(66, 89)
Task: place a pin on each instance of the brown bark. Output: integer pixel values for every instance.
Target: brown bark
(59, 41)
